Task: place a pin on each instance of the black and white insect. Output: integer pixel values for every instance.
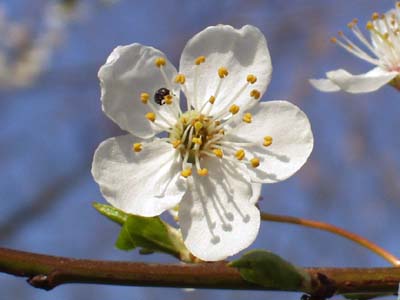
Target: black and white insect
(160, 94)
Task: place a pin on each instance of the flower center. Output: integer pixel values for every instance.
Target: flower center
(193, 135)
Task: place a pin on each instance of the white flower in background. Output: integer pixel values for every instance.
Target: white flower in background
(210, 158)
(382, 51)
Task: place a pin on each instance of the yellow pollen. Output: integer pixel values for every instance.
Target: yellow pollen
(221, 131)
(369, 25)
(186, 172)
(211, 100)
(375, 16)
(137, 147)
(151, 116)
(176, 143)
(160, 61)
(218, 153)
(144, 97)
(200, 60)
(196, 141)
(222, 72)
(333, 40)
(217, 122)
(202, 172)
(247, 117)
(240, 154)
(197, 126)
(234, 109)
(267, 141)
(255, 94)
(180, 78)
(251, 78)
(168, 99)
(255, 162)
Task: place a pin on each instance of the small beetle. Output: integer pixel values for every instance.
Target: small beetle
(160, 94)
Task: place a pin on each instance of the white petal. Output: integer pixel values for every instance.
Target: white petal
(216, 216)
(363, 83)
(144, 183)
(257, 188)
(292, 140)
(242, 51)
(324, 85)
(129, 71)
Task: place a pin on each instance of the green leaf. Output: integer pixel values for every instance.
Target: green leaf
(366, 296)
(269, 270)
(114, 214)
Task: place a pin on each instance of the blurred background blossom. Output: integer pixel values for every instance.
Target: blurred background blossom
(51, 123)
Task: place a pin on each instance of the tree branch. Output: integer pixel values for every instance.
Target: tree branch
(47, 272)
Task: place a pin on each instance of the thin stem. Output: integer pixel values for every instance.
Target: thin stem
(335, 230)
(47, 272)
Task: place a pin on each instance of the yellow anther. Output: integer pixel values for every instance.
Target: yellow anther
(186, 172)
(255, 162)
(197, 126)
(217, 122)
(211, 100)
(160, 61)
(144, 97)
(240, 154)
(202, 172)
(375, 16)
(398, 4)
(255, 94)
(180, 78)
(340, 33)
(251, 78)
(234, 109)
(151, 116)
(369, 25)
(247, 117)
(137, 147)
(267, 141)
(200, 60)
(221, 131)
(168, 99)
(176, 143)
(333, 40)
(222, 72)
(196, 141)
(218, 152)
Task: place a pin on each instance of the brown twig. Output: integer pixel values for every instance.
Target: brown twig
(47, 272)
(335, 230)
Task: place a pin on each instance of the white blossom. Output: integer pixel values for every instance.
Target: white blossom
(382, 50)
(208, 155)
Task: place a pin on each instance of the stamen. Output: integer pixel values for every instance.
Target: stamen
(186, 172)
(255, 94)
(197, 126)
(197, 141)
(251, 78)
(211, 100)
(199, 60)
(247, 117)
(168, 99)
(202, 172)
(137, 147)
(240, 154)
(180, 78)
(160, 61)
(218, 152)
(267, 141)
(144, 97)
(222, 72)
(255, 162)
(176, 143)
(234, 109)
(150, 116)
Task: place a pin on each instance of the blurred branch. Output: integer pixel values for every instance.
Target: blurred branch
(47, 272)
(42, 203)
(335, 230)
